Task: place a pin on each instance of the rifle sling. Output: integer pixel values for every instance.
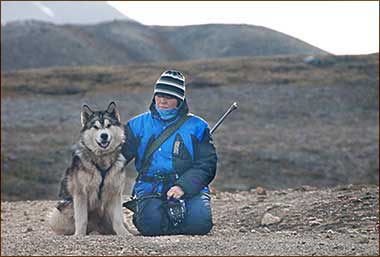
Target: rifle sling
(151, 148)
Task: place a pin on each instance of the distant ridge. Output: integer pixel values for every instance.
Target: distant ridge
(36, 44)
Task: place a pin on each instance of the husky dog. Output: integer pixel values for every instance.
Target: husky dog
(93, 184)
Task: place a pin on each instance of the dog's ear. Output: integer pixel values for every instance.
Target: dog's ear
(85, 114)
(113, 111)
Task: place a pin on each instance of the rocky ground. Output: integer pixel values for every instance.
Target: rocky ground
(342, 220)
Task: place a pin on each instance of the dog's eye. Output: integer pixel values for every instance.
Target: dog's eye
(108, 125)
(96, 127)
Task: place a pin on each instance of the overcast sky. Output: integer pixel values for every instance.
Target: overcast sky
(349, 27)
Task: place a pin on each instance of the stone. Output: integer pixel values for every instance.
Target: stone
(315, 222)
(307, 188)
(364, 240)
(243, 230)
(269, 219)
(29, 229)
(261, 191)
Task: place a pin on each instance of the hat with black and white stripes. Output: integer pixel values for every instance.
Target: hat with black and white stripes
(172, 83)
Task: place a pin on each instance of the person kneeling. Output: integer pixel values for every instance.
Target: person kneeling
(176, 161)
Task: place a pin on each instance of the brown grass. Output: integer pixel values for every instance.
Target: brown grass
(221, 72)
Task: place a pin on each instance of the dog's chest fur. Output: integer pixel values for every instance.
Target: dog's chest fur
(86, 179)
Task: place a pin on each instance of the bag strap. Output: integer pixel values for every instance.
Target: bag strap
(151, 148)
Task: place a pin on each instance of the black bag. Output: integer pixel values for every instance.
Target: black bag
(131, 205)
(174, 208)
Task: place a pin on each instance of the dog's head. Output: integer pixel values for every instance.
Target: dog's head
(102, 131)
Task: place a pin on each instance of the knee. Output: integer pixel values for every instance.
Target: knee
(199, 226)
(149, 219)
(148, 225)
(199, 221)
(199, 216)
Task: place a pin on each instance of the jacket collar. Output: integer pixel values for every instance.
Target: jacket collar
(183, 110)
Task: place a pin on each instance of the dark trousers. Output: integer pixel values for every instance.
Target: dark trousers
(151, 218)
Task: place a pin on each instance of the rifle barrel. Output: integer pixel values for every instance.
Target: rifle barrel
(233, 107)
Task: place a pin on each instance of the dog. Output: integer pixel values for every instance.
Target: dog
(93, 184)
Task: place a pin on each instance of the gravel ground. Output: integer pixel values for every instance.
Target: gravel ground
(342, 220)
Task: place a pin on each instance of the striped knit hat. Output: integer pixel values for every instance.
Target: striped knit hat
(172, 83)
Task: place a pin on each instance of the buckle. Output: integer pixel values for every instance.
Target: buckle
(160, 176)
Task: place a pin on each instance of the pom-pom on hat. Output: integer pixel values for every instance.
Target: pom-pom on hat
(172, 83)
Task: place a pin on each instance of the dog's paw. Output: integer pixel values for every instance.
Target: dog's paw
(79, 234)
(122, 231)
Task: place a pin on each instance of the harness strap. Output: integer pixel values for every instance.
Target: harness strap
(103, 173)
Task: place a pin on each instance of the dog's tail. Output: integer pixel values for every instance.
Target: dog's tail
(128, 224)
(62, 221)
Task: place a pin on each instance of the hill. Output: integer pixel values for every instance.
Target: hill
(59, 12)
(35, 44)
(301, 121)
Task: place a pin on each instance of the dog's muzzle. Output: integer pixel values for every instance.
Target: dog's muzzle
(103, 139)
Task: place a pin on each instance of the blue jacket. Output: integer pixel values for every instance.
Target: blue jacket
(189, 152)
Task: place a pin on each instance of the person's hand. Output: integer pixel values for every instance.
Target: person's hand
(175, 192)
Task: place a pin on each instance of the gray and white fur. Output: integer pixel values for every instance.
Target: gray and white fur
(96, 200)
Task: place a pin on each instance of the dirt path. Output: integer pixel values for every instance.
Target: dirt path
(305, 221)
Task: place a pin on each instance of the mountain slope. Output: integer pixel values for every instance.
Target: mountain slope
(59, 12)
(35, 44)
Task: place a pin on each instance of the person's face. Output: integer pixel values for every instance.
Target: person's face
(165, 102)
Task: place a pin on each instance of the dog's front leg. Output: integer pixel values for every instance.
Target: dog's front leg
(80, 214)
(115, 212)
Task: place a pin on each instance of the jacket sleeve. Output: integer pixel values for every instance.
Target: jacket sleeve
(129, 148)
(203, 169)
